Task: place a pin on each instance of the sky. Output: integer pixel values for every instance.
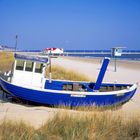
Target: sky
(70, 24)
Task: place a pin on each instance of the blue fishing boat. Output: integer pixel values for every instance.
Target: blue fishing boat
(27, 81)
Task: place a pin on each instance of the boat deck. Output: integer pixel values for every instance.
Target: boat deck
(83, 86)
(78, 86)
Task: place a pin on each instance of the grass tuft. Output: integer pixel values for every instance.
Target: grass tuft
(59, 72)
(6, 61)
(10, 130)
(101, 126)
(68, 126)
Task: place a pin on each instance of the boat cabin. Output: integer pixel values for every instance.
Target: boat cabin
(29, 70)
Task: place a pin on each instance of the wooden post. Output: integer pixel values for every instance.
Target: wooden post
(16, 43)
(115, 64)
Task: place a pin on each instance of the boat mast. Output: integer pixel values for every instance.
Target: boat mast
(101, 74)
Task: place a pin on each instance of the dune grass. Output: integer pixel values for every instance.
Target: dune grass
(6, 61)
(59, 72)
(102, 126)
(10, 130)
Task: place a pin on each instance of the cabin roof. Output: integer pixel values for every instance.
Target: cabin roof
(31, 58)
(52, 49)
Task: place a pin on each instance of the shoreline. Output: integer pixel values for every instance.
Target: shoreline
(127, 63)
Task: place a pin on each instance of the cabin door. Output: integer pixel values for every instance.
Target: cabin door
(38, 75)
(37, 80)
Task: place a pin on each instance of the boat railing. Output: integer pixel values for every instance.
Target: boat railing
(6, 76)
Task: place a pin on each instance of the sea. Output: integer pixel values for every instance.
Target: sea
(133, 55)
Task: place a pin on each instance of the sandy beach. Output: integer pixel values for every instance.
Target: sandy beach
(127, 72)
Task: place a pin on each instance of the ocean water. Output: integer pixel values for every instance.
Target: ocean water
(126, 54)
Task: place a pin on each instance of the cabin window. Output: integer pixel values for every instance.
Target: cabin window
(38, 68)
(29, 66)
(74, 87)
(20, 65)
(68, 87)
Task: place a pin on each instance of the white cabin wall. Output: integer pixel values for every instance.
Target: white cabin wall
(36, 78)
(28, 78)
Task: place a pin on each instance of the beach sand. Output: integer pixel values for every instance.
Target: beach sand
(33, 115)
(127, 72)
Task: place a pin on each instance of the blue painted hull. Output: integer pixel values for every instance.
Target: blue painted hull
(54, 98)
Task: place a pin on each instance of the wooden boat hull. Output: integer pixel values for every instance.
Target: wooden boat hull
(68, 98)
